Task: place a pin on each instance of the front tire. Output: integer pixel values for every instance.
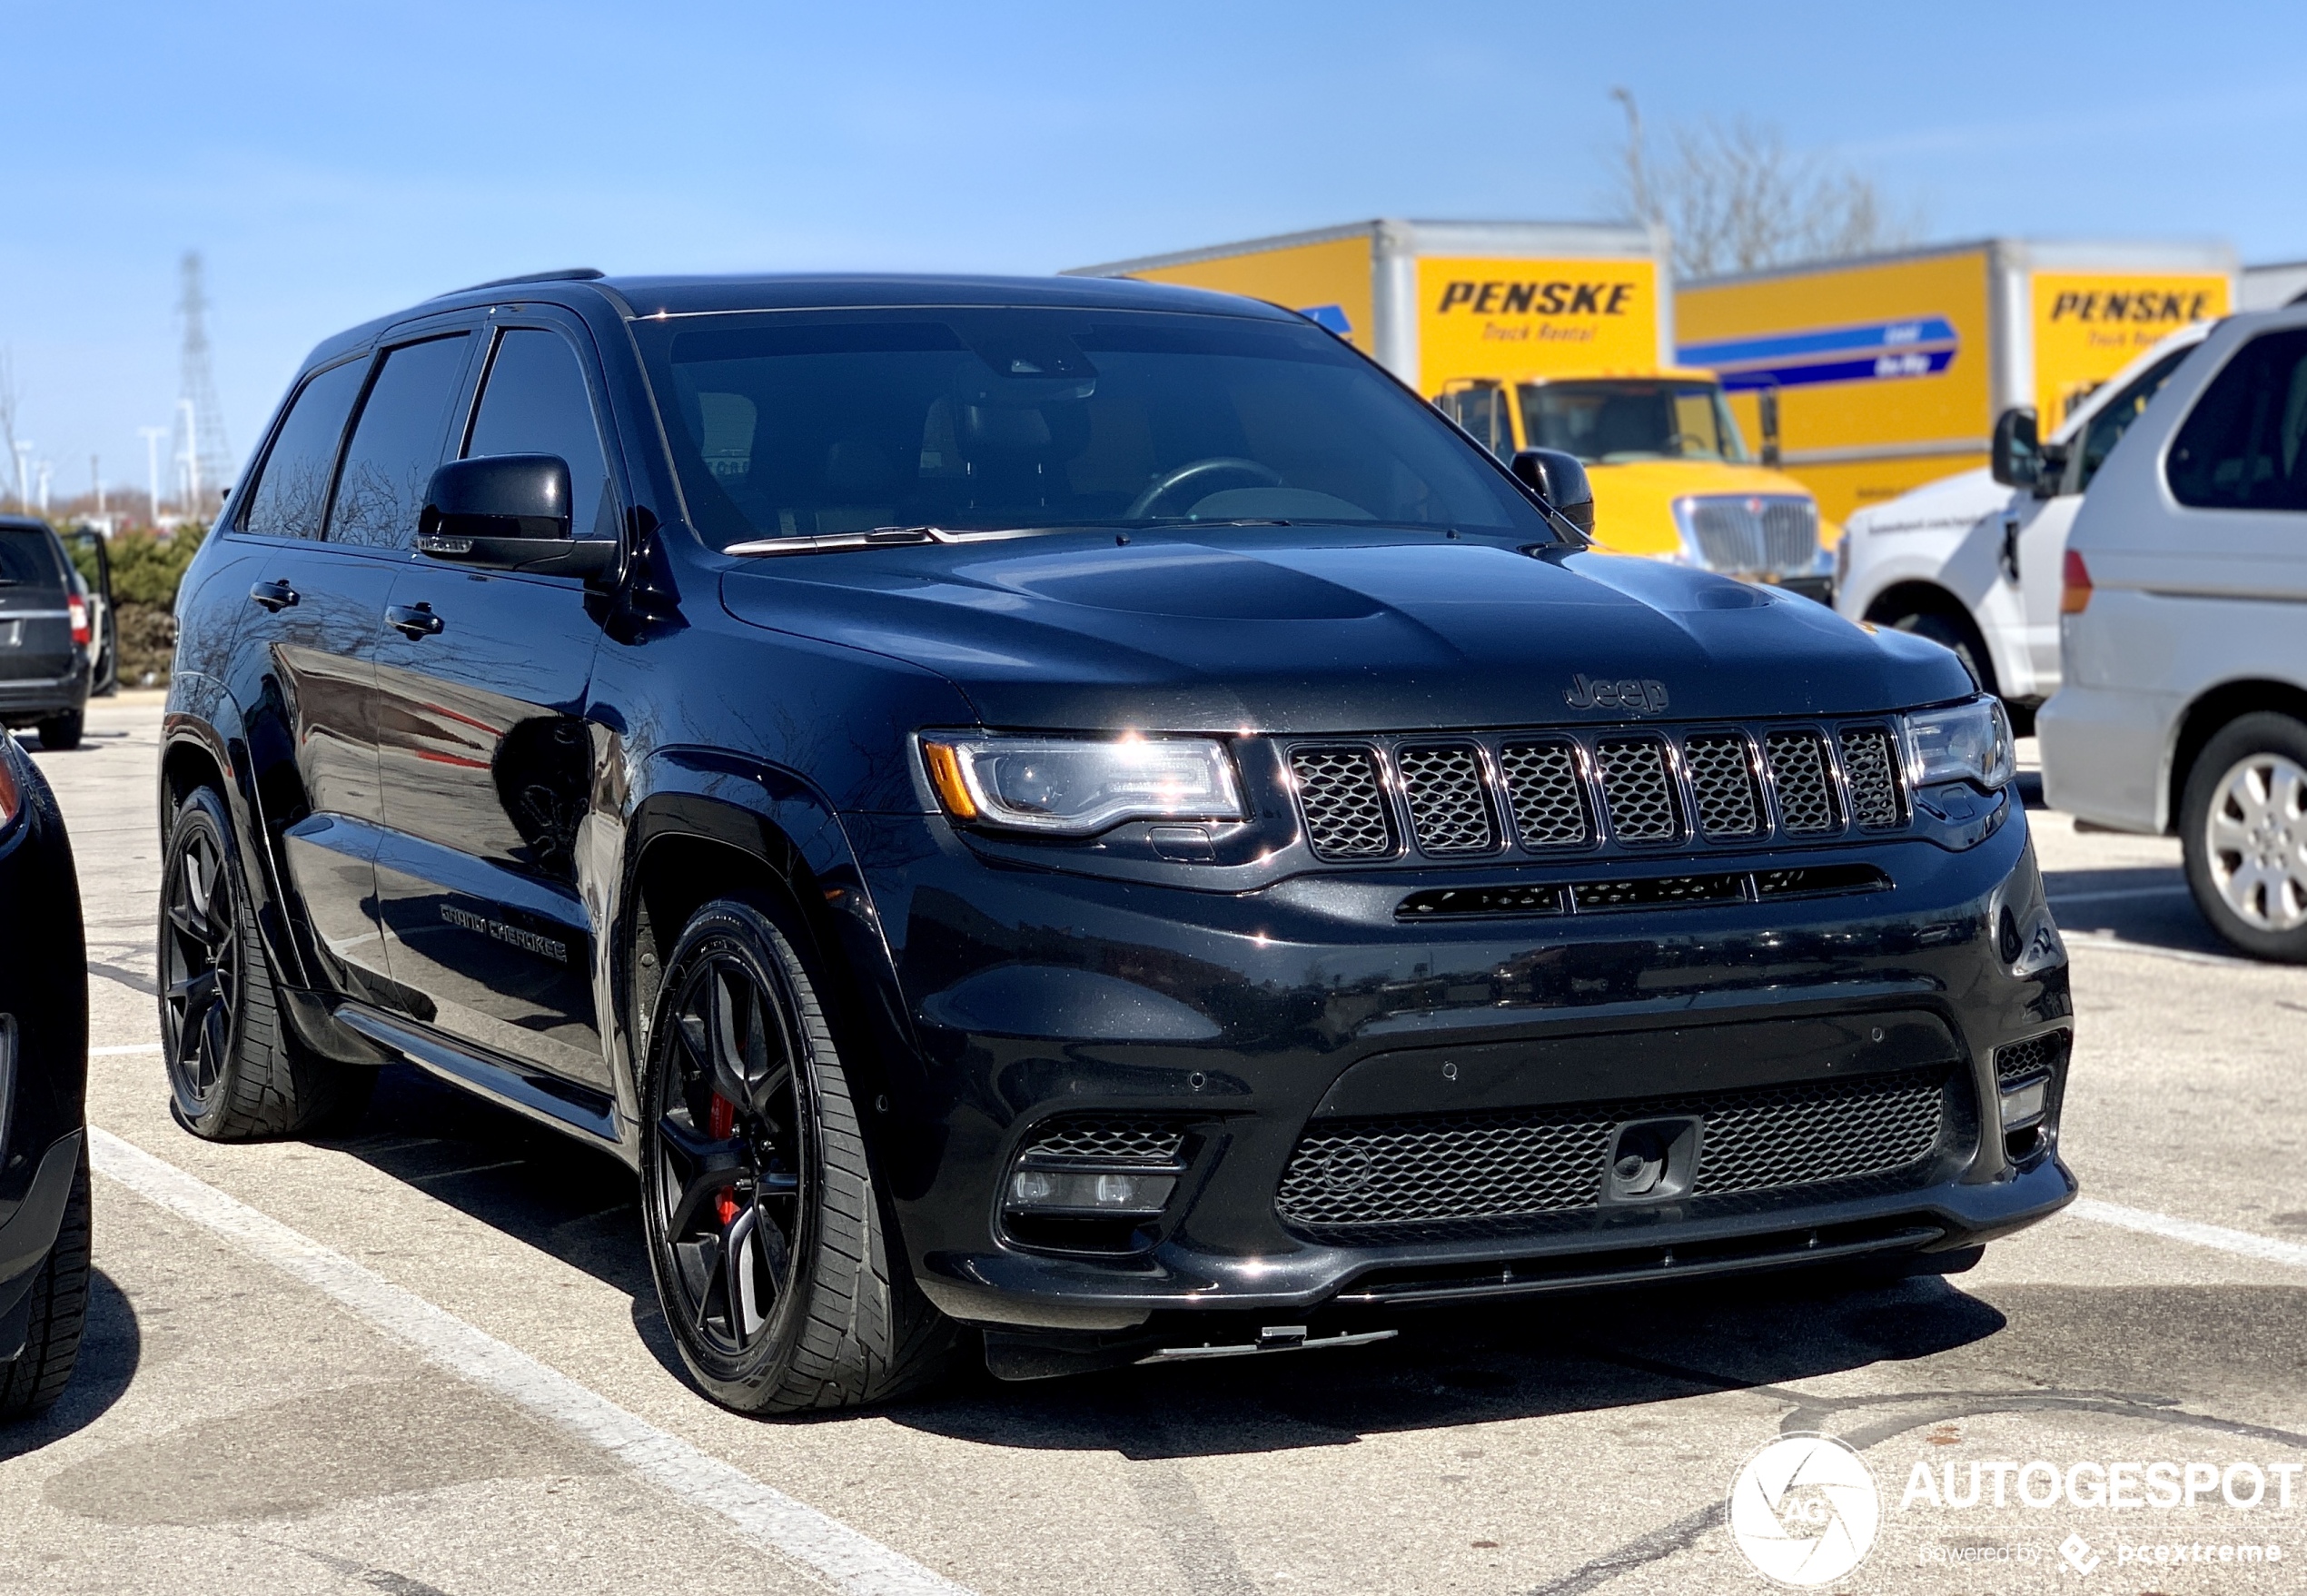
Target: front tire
(2242, 822)
(234, 1073)
(59, 1313)
(777, 1267)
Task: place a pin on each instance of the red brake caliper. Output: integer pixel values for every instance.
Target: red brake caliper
(721, 1124)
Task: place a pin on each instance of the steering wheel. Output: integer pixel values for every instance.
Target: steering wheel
(1194, 472)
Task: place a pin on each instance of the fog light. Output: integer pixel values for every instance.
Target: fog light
(2023, 1105)
(1066, 1191)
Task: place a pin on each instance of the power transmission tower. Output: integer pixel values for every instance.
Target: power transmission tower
(199, 442)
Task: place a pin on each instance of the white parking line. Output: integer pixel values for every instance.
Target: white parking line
(767, 1518)
(2114, 944)
(2117, 894)
(131, 1047)
(2265, 1248)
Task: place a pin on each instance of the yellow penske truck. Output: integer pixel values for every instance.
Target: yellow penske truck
(1544, 335)
(1868, 377)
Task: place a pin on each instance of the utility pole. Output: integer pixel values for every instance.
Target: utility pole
(153, 435)
(24, 446)
(191, 457)
(44, 469)
(1638, 173)
(96, 483)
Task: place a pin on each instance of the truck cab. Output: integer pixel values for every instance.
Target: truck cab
(1672, 474)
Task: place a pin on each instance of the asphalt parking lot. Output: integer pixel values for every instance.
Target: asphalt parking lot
(425, 1358)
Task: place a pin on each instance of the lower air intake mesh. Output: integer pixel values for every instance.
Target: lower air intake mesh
(1109, 1141)
(1369, 1175)
(2033, 1057)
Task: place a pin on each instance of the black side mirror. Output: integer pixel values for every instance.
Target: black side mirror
(1560, 480)
(509, 512)
(1767, 407)
(2018, 456)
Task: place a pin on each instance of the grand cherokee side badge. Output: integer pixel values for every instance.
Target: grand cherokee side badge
(1644, 698)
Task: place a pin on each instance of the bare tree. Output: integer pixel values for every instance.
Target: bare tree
(1736, 198)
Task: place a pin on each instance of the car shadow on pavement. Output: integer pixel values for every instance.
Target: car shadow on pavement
(1620, 1349)
(2143, 904)
(490, 1164)
(111, 1345)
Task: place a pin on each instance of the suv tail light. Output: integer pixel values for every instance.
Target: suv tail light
(2074, 585)
(78, 609)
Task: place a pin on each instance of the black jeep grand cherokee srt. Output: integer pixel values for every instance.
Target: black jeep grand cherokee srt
(1078, 810)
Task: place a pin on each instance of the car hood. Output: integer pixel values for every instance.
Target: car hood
(1949, 504)
(1303, 629)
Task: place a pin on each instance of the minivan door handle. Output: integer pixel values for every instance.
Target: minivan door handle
(274, 596)
(414, 621)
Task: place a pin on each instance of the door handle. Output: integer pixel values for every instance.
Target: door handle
(274, 596)
(414, 621)
(2010, 558)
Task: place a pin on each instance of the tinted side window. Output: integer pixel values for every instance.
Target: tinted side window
(2114, 418)
(535, 403)
(28, 559)
(396, 444)
(2241, 447)
(292, 495)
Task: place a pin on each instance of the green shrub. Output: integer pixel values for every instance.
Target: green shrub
(146, 569)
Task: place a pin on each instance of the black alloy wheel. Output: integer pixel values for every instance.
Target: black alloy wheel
(777, 1263)
(199, 965)
(730, 1124)
(233, 1070)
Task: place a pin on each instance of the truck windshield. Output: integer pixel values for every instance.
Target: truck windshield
(1615, 421)
(806, 423)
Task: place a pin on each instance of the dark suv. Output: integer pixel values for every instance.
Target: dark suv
(1078, 810)
(44, 634)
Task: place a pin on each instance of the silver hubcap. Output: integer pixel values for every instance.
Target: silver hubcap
(2256, 842)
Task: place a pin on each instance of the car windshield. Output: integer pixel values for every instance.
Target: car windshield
(804, 424)
(28, 559)
(1612, 423)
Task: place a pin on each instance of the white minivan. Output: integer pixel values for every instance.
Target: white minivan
(2183, 619)
(1972, 561)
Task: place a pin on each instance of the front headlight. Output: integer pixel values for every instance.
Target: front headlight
(1967, 742)
(1075, 787)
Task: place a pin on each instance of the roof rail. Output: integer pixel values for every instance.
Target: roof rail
(568, 275)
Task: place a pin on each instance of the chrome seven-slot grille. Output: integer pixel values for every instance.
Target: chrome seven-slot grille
(1774, 535)
(1460, 797)
(1365, 1175)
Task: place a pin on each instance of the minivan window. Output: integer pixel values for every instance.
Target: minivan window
(535, 403)
(2114, 418)
(28, 559)
(290, 498)
(2240, 449)
(397, 443)
(805, 424)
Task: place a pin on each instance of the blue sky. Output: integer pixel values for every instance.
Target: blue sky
(333, 161)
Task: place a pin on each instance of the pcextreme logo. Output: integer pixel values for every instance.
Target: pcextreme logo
(2176, 309)
(1537, 299)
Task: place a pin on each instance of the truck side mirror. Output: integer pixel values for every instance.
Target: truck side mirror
(1560, 480)
(2018, 457)
(1767, 406)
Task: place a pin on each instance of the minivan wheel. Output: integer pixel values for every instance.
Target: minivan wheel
(2243, 824)
(60, 733)
(777, 1263)
(234, 1071)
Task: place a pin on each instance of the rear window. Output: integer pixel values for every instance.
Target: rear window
(28, 559)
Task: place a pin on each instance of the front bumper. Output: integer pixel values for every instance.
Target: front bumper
(1036, 997)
